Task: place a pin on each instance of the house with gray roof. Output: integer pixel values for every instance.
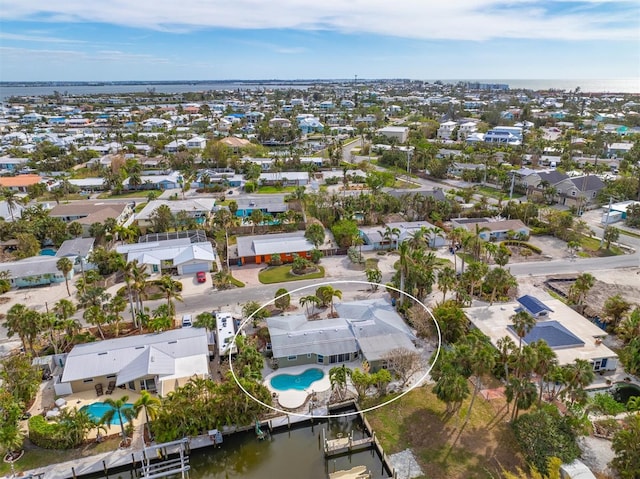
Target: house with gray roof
(34, 271)
(78, 251)
(494, 230)
(579, 190)
(368, 329)
(200, 209)
(272, 204)
(157, 362)
(179, 255)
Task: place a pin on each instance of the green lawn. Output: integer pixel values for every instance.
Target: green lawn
(281, 274)
(628, 233)
(130, 194)
(592, 245)
(237, 283)
(405, 185)
(492, 192)
(36, 457)
(272, 189)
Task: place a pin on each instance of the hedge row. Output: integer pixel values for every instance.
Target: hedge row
(522, 244)
(48, 434)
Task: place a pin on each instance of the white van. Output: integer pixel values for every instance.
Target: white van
(186, 321)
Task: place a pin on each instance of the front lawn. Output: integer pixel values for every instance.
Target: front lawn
(130, 194)
(269, 190)
(281, 274)
(592, 246)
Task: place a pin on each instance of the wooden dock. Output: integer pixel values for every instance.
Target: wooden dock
(341, 445)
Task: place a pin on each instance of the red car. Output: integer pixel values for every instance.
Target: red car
(201, 276)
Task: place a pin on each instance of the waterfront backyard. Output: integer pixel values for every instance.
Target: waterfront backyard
(417, 422)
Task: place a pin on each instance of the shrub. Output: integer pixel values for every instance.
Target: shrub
(543, 434)
(276, 260)
(522, 244)
(48, 435)
(606, 404)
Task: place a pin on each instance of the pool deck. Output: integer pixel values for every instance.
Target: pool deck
(292, 398)
(79, 399)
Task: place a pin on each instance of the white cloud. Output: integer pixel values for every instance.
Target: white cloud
(35, 37)
(101, 56)
(420, 19)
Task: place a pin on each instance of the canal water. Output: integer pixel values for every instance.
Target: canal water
(294, 453)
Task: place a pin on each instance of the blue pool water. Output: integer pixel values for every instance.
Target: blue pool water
(285, 382)
(98, 409)
(47, 252)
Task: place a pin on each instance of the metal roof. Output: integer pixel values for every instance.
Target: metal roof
(114, 356)
(75, 247)
(533, 305)
(555, 335)
(371, 326)
(273, 244)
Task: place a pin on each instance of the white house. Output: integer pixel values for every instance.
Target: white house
(183, 255)
(398, 133)
(156, 362)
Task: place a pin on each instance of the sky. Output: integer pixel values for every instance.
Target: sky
(111, 40)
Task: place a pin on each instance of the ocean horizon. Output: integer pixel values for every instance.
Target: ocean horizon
(9, 89)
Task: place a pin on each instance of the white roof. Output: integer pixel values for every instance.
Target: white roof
(493, 321)
(144, 354)
(273, 244)
(192, 205)
(87, 182)
(179, 250)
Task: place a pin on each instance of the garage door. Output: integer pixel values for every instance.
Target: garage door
(194, 268)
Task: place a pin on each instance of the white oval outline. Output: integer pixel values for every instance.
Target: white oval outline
(327, 416)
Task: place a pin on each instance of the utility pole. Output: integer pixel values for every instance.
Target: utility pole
(606, 221)
(513, 182)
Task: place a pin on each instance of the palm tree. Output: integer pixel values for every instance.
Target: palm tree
(95, 315)
(139, 285)
(404, 265)
(312, 300)
(505, 347)
(150, 405)
(64, 265)
(499, 279)
(523, 322)
(481, 362)
(581, 287)
(122, 409)
(328, 293)
(578, 375)
(522, 392)
(14, 325)
(546, 360)
(338, 377)
(114, 307)
(171, 290)
(12, 200)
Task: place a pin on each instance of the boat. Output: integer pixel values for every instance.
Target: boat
(358, 472)
(259, 434)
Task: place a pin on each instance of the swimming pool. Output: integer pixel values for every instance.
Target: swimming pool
(299, 382)
(623, 391)
(98, 409)
(47, 252)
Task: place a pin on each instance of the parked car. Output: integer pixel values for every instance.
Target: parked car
(201, 276)
(186, 321)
